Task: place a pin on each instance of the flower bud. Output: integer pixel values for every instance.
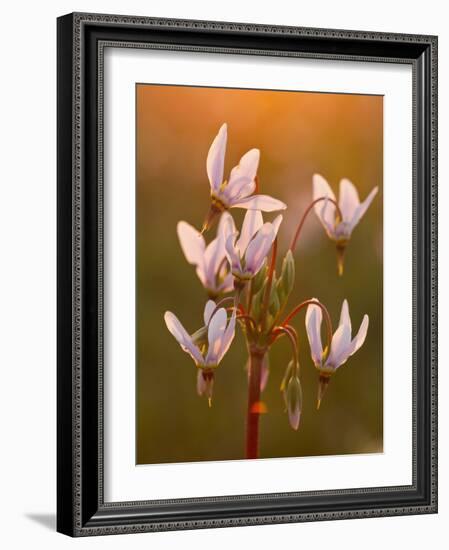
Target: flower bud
(259, 278)
(274, 304)
(293, 400)
(287, 279)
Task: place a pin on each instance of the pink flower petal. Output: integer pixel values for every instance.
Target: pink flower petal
(183, 338)
(252, 222)
(215, 159)
(260, 202)
(348, 200)
(322, 189)
(362, 208)
(314, 318)
(192, 243)
(259, 248)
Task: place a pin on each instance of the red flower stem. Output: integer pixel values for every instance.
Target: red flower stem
(253, 413)
(327, 317)
(304, 216)
(292, 335)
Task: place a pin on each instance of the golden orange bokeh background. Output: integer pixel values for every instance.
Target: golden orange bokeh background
(298, 134)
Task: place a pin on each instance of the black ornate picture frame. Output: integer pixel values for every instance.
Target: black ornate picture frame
(81, 509)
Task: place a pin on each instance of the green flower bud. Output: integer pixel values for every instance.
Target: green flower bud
(260, 278)
(274, 304)
(287, 279)
(257, 302)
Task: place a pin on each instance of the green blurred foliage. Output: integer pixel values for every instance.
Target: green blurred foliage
(298, 133)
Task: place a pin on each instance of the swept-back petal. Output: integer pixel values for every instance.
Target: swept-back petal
(227, 285)
(362, 208)
(345, 319)
(356, 343)
(341, 341)
(232, 253)
(226, 226)
(215, 335)
(260, 202)
(215, 158)
(349, 199)
(360, 337)
(192, 243)
(246, 168)
(240, 189)
(252, 222)
(183, 337)
(321, 188)
(314, 318)
(213, 256)
(258, 248)
(227, 338)
(208, 310)
(276, 224)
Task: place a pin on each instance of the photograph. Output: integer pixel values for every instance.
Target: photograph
(259, 273)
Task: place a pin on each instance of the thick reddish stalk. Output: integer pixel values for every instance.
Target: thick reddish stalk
(253, 413)
(304, 216)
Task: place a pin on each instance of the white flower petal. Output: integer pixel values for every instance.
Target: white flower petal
(276, 223)
(215, 335)
(239, 190)
(192, 243)
(356, 343)
(227, 285)
(232, 253)
(215, 158)
(227, 338)
(258, 248)
(208, 310)
(341, 341)
(345, 319)
(362, 208)
(359, 339)
(314, 318)
(260, 202)
(183, 337)
(251, 224)
(325, 214)
(202, 275)
(349, 199)
(213, 256)
(226, 227)
(246, 170)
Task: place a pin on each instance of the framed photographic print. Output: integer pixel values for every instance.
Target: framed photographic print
(247, 288)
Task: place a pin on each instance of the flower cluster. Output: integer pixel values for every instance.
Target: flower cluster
(238, 272)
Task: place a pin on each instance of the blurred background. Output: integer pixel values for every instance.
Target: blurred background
(298, 134)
